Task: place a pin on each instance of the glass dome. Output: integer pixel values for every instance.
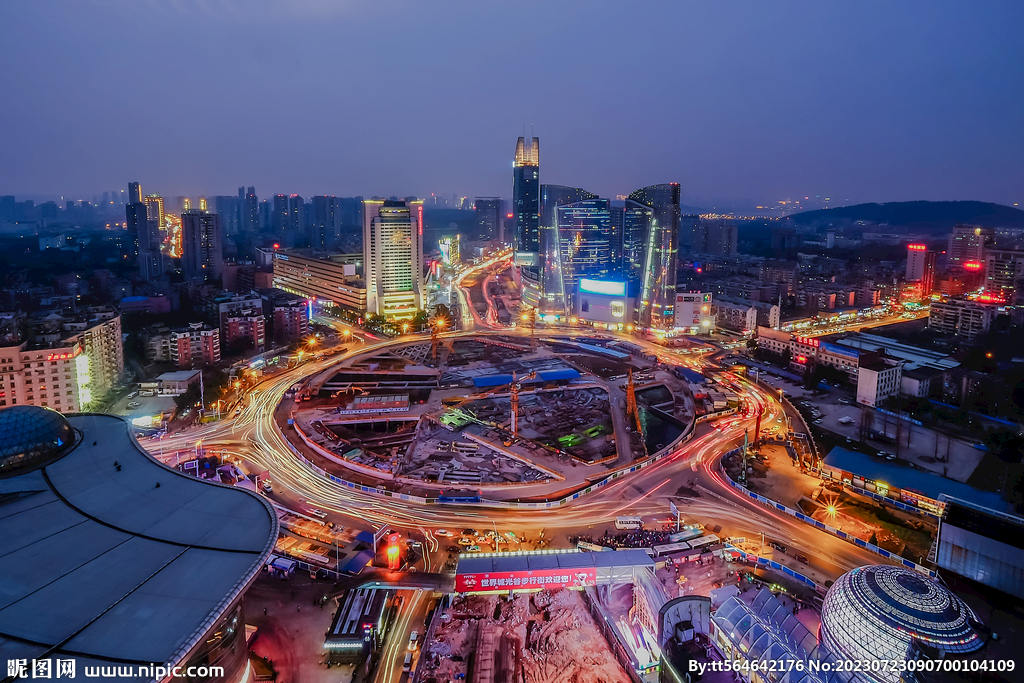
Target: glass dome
(31, 436)
(873, 613)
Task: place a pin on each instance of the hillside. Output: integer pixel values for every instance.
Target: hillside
(919, 215)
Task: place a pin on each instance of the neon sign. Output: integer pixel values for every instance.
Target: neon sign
(917, 247)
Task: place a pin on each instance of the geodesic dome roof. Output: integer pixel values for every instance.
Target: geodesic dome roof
(31, 436)
(875, 612)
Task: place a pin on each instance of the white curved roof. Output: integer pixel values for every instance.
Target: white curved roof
(127, 566)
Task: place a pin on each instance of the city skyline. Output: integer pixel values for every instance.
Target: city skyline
(885, 111)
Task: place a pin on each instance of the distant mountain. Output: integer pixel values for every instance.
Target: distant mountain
(919, 215)
(691, 210)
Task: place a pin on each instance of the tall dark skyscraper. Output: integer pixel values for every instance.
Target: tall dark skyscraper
(229, 208)
(136, 216)
(279, 214)
(324, 223)
(296, 215)
(488, 218)
(250, 218)
(201, 250)
(652, 221)
(144, 216)
(526, 211)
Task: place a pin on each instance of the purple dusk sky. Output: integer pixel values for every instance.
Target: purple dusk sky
(861, 101)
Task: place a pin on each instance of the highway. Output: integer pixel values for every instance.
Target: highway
(691, 479)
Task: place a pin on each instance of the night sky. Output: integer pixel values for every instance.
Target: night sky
(738, 101)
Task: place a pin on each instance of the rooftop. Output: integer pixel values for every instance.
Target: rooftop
(126, 564)
(178, 376)
(898, 476)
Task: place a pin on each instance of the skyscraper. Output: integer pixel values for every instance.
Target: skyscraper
(250, 219)
(296, 215)
(324, 222)
(279, 214)
(552, 294)
(586, 237)
(229, 208)
(526, 213)
(393, 257)
(657, 293)
(136, 216)
(967, 245)
(144, 218)
(202, 254)
(488, 218)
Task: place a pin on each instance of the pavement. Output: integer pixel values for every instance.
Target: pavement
(291, 633)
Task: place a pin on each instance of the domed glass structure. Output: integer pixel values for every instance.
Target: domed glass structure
(873, 613)
(31, 436)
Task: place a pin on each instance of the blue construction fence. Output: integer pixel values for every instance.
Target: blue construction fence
(806, 519)
(772, 564)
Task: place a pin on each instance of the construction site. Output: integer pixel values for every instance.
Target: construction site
(492, 411)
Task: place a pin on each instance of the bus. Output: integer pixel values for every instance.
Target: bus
(629, 523)
(704, 541)
(685, 534)
(670, 548)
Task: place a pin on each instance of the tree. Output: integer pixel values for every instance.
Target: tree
(188, 399)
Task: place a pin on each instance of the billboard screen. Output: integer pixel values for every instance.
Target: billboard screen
(602, 287)
(839, 350)
(526, 580)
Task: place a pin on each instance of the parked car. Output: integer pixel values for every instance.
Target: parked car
(802, 558)
(134, 404)
(778, 546)
(473, 549)
(268, 486)
(469, 532)
(465, 541)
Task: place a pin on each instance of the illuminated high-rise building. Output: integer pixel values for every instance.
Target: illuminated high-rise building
(967, 245)
(393, 257)
(526, 214)
(249, 220)
(144, 218)
(586, 237)
(155, 204)
(202, 255)
(653, 243)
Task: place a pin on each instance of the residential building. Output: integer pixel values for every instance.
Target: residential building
(202, 253)
(249, 221)
(967, 245)
(657, 290)
(279, 214)
(287, 315)
(240, 320)
(54, 375)
(694, 313)
(735, 315)
(194, 346)
(962, 318)
(393, 257)
(717, 237)
(331, 279)
(488, 219)
(1004, 275)
(296, 216)
(324, 223)
(451, 251)
(878, 378)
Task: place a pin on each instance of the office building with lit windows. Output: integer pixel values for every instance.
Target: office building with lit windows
(586, 237)
(526, 217)
(967, 245)
(654, 216)
(393, 257)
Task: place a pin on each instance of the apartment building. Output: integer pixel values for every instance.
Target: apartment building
(962, 318)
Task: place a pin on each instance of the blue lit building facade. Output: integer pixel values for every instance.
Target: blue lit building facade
(526, 214)
(586, 236)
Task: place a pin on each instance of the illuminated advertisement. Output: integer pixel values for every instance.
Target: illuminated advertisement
(551, 579)
(844, 351)
(602, 287)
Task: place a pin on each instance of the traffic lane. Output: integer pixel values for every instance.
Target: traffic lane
(391, 663)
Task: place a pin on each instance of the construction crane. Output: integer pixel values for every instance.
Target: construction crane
(631, 407)
(514, 398)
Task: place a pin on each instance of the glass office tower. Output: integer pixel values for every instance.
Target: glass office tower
(586, 237)
(526, 213)
(651, 223)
